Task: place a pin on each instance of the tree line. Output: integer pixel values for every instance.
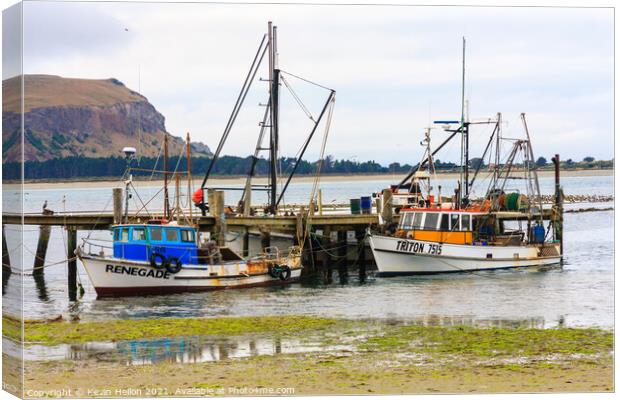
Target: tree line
(107, 167)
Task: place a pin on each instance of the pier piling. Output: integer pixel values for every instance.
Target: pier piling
(265, 238)
(44, 238)
(342, 257)
(360, 235)
(246, 242)
(117, 204)
(326, 254)
(216, 204)
(299, 227)
(71, 263)
(558, 208)
(386, 208)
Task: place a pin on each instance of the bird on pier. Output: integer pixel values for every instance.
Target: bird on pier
(45, 205)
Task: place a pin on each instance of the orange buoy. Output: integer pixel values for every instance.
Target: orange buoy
(197, 197)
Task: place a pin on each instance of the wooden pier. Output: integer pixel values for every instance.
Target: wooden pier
(325, 232)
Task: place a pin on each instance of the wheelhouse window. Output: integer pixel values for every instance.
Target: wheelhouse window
(172, 235)
(138, 234)
(187, 236)
(156, 234)
(431, 221)
(417, 220)
(125, 235)
(465, 222)
(407, 219)
(445, 223)
(117, 234)
(454, 222)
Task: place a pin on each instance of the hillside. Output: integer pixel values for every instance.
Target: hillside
(92, 118)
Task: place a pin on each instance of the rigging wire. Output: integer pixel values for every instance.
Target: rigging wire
(305, 80)
(319, 168)
(298, 100)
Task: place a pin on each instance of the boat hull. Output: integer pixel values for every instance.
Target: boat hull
(396, 256)
(112, 277)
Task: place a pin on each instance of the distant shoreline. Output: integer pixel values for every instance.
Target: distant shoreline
(237, 180)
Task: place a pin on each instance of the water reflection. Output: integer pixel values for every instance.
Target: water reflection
(39, 279)
(186, 350)
(199, 349)
(6, 274)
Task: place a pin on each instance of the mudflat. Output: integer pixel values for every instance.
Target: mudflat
(346, 357)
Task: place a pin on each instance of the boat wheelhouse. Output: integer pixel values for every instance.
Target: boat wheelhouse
(445, 226)
(146, 242)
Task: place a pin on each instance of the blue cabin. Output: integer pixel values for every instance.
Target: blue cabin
(139, 242)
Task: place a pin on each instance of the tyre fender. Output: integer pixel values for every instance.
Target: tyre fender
(174, 265)
(158, 261)
(285, 273)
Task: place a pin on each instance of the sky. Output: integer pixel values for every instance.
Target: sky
(395, 69)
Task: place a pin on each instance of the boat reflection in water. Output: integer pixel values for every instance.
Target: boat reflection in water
(198, 349)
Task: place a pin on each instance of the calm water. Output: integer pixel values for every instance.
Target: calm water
(579, 294)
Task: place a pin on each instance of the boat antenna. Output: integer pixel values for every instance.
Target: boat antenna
(130, 154)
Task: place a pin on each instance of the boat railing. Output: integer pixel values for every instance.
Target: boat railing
(294, 251)
(100, 244)
(271, 253)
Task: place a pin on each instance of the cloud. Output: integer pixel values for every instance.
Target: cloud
(391, 66)
(11, 42)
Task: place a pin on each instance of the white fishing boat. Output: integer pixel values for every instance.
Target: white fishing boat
(504, 228)
(167, 254)
(166, 258)
(438, 234)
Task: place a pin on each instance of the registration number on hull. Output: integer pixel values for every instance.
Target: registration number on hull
(418, 247)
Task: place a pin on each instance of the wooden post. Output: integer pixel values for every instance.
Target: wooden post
(44, 238)
(247, 199)
(360, 235)
(216, 204)
(265, 238)
(72, 263)
(386, 209)
(210, 200)
(246, 242)
(326, 240)
(558, 214)
(320, 201)
(316, 249)
(299, 227)
(117, 197)
(6, 262)
(342, 257)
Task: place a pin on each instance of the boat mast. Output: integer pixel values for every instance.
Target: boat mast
(464, 133)
(166, 200)
(274, 75)
(188, 150)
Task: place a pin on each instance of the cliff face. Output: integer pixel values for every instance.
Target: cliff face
(81, 117)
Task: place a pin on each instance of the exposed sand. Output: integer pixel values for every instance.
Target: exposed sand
(311, 375)
(344, 357)
(263, 180)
